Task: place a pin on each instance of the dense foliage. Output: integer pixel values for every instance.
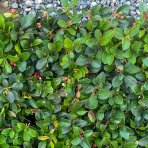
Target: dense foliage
(70, 83)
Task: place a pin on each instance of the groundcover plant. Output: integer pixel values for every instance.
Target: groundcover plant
(74, 84)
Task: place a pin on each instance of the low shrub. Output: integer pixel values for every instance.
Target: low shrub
(69, 82)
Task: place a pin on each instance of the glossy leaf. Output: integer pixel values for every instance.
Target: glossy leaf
(41, 63)
(91, 116)
(76, 141)
(27, 21)
(126, 43)
(67, 43)
(103, 94)
(2, 139)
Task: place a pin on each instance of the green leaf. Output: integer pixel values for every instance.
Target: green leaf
(136, 89)
(1, 46)
(124, 133)
(2, 139)
(31, 132)
(124, 8)
(143, 141)
(11, 97)
(37, 42)
(72, 31)
(12, 114)
(18, 48)
(88, 133)
(76, 141)
(107, 58)
(129, 81)
(32, 103)
(107, 36)
(90, 42)
(98, 34)
(92, 102)
(91, 116)
(26, 136)
(65, 61)
(71, 55)
(132, 59)
(52, 46)
(100, 115)
(25, 56)
(6, 131)
(41, 63)
(22, 66)
(51, 144)
(131, 68)
(83, 70)
(81, 60)
(105, 10)
(85, 143)
(8, 47)
(59, 45)
(136, 45)
(96, 63)
(12, 134)
(143, 102)
(73, 3)
(134, 31)
(1, 61)
(118, 99)
(100, 79)
(13, 35)
(76, 19)
(56, 82)
(78, 74)
(145, 61)
(5, 83)
(96, 10)
(89, 89)
(21, 126)
(62, 23)
(1, 55)
(68, 43)
(2, 22)
(27, 21)
(17, 86)
(118, 33)
(81, 112)
(126, 43)
(65, 3)
(26, 145)
(146, 48)
(8, 67)
(117, 81)
(103, 94)
(143, 6)
(65, 123)
(13, 58)
(24, 44)
(129, 145)
(141, 33)
(1, 19)
(42, 144)
(146, 85)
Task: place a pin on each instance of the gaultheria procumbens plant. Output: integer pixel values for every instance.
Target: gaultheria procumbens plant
(74, 83)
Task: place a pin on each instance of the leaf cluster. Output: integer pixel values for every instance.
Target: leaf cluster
(71, 83)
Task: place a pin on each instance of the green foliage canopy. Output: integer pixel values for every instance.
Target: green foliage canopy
(74, 84)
